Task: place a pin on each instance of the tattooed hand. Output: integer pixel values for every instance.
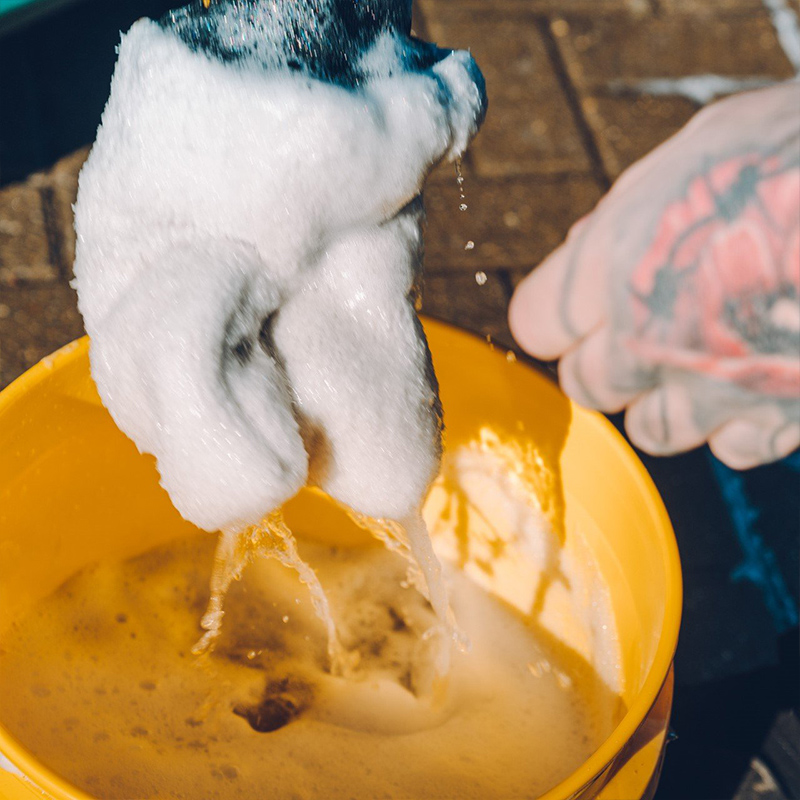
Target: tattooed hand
(678, 297)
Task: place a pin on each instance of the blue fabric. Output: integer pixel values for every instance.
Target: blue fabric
(749, 503)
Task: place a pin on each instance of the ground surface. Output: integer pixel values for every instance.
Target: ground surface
(566, 118)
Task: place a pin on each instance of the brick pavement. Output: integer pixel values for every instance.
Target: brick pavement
(565, 120)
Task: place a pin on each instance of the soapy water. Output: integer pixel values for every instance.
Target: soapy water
(138, 720)
(412, 542)
(235, 550)
(462, 206)
(462, 198)
(272, 539)
(146, 719)
(526, 531)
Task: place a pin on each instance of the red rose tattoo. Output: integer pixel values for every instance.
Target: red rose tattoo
(678, 297)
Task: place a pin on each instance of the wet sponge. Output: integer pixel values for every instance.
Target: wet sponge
(249, 238)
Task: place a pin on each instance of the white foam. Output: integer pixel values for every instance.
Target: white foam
(218, 196)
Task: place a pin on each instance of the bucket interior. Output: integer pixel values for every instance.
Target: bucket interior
(75, 490)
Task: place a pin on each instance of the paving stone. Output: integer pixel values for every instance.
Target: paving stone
(430, 8)
(600, 50)
(417, 22)
(514, 223)
(35, 320)
(626, 128)
(530, 127)
(479, 305)
(59, 190)
(24, 246)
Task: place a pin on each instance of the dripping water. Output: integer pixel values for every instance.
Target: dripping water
(271, 538)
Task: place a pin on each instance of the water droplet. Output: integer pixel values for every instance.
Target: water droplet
(460, 181)
(251, 655)
(285, 617)
(511, 356)
(563, 680)
(470, 245)
(480, 278)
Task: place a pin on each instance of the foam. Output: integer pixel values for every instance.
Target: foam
(249, 240)
(262, 716)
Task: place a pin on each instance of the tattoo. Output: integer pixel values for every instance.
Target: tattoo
(717, 294)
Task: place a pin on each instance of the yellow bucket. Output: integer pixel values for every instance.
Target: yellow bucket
(68, 477)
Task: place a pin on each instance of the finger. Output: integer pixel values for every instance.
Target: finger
(561, 300)
(663, 422)
(745, 443)
(599, 375)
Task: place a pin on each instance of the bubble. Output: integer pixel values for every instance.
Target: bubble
(470, 245)
(480, 278)
(563, 680)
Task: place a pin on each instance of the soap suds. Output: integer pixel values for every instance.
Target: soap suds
(249, 240)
